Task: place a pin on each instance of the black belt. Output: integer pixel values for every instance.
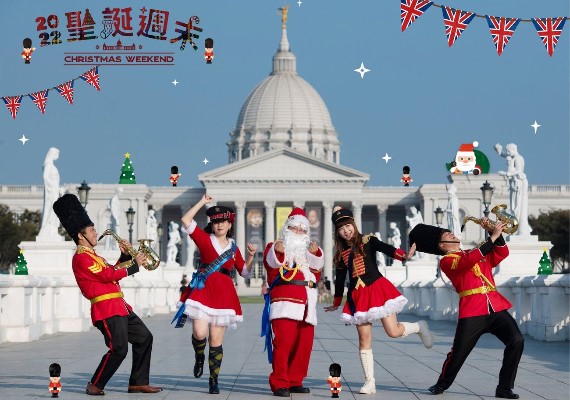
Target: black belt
(310, 284)
(223, 271)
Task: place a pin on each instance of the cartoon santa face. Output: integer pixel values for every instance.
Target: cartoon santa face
(465, 161)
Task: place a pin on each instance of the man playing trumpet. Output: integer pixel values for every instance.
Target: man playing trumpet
(482, 309)
(110, 313)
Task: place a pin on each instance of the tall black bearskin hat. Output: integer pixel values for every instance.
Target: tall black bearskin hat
(27, 42)
(340, 216)
(406, 169)
(72, 215)
(174, 169)
(221, 213)
(54, 370)
(334, 370)
(426, 238)
(209, 43)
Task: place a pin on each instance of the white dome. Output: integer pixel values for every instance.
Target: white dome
(284, 111)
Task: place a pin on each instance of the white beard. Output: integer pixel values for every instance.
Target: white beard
(295, 247)
(466, 167)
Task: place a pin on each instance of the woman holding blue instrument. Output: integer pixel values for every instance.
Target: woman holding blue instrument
(211, 300)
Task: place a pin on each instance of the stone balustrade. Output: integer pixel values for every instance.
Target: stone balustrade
(32, 306)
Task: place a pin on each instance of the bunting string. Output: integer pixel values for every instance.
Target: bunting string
(65, 89)
(502, 28)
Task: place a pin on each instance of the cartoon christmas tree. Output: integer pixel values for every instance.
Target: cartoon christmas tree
(545, 265)
(127, 171)
(21, 264)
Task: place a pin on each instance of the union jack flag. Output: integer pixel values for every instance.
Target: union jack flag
(40, 99)
(66, 90)
(455, 22)
(502, 29)
(92, 77)
(13, 104)
(549, 30)
(410, 10)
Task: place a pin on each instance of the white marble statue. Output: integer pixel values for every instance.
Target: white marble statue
(152, 229)
(173, 241)
(115, 207)
(50, 222)
(394, 235)
(413, 220)
(452, 211)
(518, 185)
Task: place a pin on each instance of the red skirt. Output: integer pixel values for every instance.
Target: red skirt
(217, 302)
(373, 303)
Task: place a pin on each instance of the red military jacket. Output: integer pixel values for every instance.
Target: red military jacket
(463, 268)
(95, 277)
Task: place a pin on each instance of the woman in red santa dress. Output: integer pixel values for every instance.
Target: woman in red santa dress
(371, 297)
(211, 300)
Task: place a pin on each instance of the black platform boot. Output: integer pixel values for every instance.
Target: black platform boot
(199, 348)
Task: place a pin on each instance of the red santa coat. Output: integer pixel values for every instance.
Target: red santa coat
(462, 268)
(217, 302)
(95, 277)
(289, 301)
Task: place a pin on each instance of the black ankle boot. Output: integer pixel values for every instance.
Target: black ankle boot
(214, 386)
(199, 366)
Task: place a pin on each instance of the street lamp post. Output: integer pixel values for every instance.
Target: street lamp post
(83, 192)
(438, 220)
(130, 221)
(487, 191)
(159, 232)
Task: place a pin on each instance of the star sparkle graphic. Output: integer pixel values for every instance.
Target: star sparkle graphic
(23, 139)
(205, 161)
(175, 82)
(299, 2)
(386, 158)
(535, 126)
(362, 70)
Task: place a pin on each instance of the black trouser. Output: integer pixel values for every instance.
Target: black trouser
(118, 333)
(469, 330)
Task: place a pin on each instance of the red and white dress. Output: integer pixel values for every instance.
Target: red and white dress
(218, 301)
(374, 296)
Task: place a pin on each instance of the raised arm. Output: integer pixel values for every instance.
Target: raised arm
(190, 214)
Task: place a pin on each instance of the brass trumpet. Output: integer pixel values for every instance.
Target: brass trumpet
(152, 259)
(511, 222)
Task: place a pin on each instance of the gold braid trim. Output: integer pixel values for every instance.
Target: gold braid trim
(284, 266)
(366, 238)
(477, 271)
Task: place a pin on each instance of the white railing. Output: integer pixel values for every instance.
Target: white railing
(548, 188)
(32, 306)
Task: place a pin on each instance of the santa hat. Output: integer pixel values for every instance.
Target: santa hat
(298, 217)
(468, 147)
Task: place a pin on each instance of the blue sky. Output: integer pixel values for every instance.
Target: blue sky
(418, 103)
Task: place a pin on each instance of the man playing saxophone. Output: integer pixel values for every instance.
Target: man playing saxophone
(110, 313)
(482, 309)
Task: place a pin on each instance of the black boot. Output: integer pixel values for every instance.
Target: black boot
(503, 393)
(214, 386)
(199, 347)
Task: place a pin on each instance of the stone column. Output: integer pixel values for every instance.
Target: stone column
(327, 245)
(382, 209)
(357, 213)
(269, 221)
(240, 234)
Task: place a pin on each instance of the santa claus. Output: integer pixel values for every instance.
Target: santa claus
(465, 160)
(293, 265)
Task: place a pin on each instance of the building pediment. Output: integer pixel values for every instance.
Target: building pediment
(283, 166)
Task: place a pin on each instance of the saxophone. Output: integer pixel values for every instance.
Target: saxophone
(152, 259)
(511, 222)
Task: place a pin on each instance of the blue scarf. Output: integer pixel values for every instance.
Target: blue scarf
(199, 281)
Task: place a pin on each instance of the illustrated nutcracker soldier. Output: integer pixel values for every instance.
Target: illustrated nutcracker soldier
(334, 380)
(209, 47)
(54, 376)
(174, 175)
(406, 178)
(28, 50)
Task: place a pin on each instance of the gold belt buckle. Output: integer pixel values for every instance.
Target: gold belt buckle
(310, 284)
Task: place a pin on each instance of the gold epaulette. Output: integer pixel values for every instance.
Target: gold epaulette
(455, 257)
(83, 249)
(366, 238)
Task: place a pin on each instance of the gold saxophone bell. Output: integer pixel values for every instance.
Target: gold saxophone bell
(152, 259)
(511, 222)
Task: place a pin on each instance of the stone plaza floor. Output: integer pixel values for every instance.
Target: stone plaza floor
(404, 369)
